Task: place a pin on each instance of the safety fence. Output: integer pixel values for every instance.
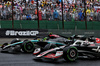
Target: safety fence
(41, 33)
(45, 24)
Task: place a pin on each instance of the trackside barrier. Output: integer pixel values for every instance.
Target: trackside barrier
(44, 24)
(68, 33)
(23, 33)
(33, 33)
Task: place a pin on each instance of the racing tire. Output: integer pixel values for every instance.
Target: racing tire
(27, 46)
(49, 46)
(14, 41)
(70, 53)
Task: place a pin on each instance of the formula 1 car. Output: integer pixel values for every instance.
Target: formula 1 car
(71, 52)
(28, 45)
(17, 45)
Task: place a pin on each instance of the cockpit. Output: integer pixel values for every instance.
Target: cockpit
(81, 43)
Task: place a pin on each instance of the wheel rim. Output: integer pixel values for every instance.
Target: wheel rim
(72, 53)
(29, 47)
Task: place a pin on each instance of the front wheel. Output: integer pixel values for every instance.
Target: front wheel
(70, 53)
(27, 46)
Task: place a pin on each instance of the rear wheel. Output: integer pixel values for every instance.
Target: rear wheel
(70, 53)
(27, 46)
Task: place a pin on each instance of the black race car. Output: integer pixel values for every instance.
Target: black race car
(71, 52)
(28, 46)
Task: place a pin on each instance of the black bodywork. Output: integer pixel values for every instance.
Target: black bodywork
(89, 51)
(79, 48)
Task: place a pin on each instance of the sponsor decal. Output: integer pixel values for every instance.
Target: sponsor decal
(59, 53)
(92, 44)
(66, 32)
(21, 33)
(45, 52)
(89, 32)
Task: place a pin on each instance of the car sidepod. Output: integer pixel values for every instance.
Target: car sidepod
(51, 54)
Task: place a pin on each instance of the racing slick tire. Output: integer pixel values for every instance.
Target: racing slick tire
(70, 53)
(49, 46)
(27, 46)
(15, 40)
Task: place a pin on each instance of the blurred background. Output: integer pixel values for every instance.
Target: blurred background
(50, 14)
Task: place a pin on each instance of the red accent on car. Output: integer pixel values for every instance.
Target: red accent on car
(46, 52)
(92, 44)
(53, 35)
(97, 40)
(51, 56)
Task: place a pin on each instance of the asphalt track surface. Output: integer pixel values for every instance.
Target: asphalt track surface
(23, 59)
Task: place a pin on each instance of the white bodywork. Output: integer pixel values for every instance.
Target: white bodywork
(81, 42)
